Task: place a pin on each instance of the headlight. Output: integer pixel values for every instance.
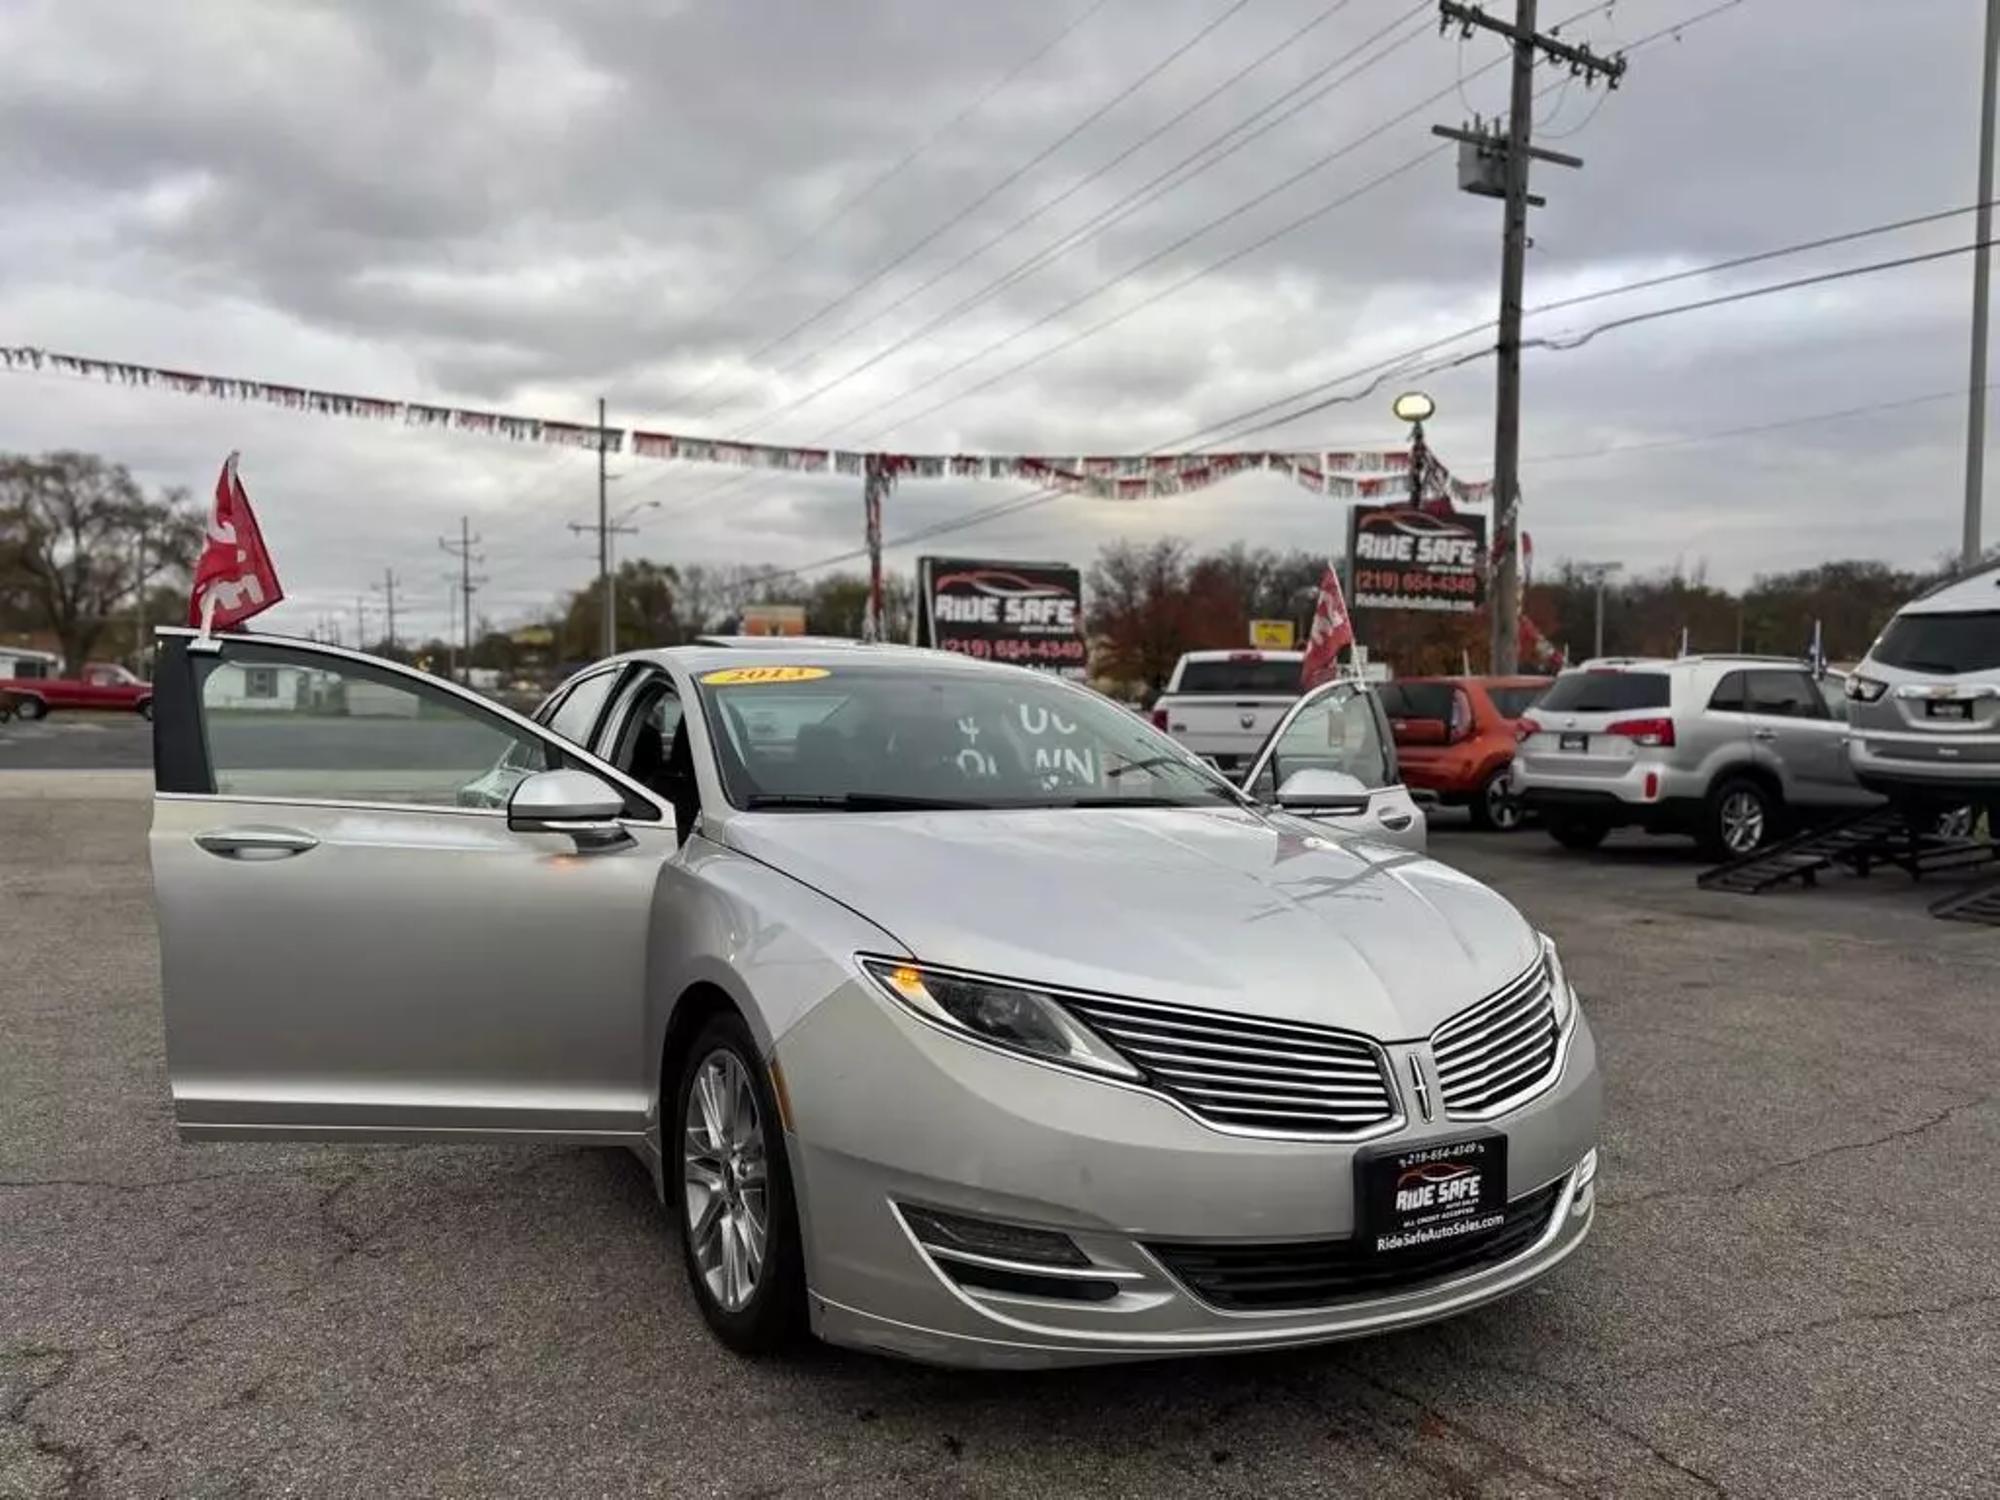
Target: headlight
(1562, 996)
(1016, 1017)
(1865, 689)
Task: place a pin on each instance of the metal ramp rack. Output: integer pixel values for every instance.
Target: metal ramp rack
(1859, 844)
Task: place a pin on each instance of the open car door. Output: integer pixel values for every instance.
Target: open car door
(356, 942)
(1330, 758)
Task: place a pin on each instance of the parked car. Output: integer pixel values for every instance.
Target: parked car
(956, 1011)
(103, 685)
(1730, 749)
(1924, 704)
(1455, 736)
(1223, 705)
(1331, 758)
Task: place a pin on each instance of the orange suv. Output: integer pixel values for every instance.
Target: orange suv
(1455, 737)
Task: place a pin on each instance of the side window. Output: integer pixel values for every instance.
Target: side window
(286, 725)
(1337, 733)
(1833, 691)
(576, 715)
(1731, 695)
(1785, 695)
(640, 742)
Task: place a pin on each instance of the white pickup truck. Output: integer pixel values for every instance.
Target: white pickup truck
(1223, 704)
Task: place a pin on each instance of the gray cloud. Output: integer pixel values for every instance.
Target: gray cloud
(530, 206)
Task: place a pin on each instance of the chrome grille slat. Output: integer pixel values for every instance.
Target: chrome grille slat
(1499, 1049)
(1249, 1073)
(1492, 1051)
(1139, 1038)
(1527, 1009)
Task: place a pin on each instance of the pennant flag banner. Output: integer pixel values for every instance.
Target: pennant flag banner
(1343, 474)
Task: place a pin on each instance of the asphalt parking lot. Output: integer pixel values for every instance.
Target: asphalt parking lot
(1793, 1288)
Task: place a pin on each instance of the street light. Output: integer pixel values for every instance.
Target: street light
(1601, 571)
(1415, 408)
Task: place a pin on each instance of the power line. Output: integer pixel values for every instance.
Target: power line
(854, 200)
(992, 192)
(1015, 274)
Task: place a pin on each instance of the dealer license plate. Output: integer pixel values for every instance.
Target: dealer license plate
(1949, 708)
(1576, 742)
(1424, 1197)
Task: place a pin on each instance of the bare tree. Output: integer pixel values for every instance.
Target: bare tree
(80, 542)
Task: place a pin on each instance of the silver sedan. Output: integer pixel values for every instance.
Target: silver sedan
(957, 1012)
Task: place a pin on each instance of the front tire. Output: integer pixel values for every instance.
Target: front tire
(31, 709)
(731, 1192)
(1739, 818)
(1495, 806)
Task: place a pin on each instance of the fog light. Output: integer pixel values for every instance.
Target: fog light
(942, 1231)
(1585, 1190)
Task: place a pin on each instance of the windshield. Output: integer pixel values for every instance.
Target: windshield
(1251, 675)
(1605, 692)
(1944, 644)
(877, 737)
(1339, 731)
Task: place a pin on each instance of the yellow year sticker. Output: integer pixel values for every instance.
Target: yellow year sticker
(741, 676)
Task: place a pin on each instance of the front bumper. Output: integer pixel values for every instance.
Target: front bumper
(888, 1110)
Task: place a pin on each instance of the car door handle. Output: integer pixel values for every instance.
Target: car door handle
(1398, 821)
(256, 843)
(1763, 734)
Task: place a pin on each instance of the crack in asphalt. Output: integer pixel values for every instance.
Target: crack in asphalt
(1771, 1169)
(1519, 1463)
(1574, 1398)
(1800, 1330)
(79, 1467)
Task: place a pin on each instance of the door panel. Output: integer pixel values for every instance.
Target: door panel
(1789, 721)
(355, 945)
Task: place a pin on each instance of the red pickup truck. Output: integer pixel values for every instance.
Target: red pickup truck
(102, 685)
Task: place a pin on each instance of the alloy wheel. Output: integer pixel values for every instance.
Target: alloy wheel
(724, 1176)
(1742, 818)
(1503, 808)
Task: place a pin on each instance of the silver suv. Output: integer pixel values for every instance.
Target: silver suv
(1925, 702)
(1727, 748)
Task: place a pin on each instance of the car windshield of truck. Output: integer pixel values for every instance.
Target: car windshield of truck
(1255, 677)
(1605, 692)
(1944, 644)
(881, 738)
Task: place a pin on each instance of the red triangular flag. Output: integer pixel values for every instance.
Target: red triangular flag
(1331, 629)
(234, 578)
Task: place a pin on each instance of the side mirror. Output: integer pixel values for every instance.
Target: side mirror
(1323, 791)
(572, 802)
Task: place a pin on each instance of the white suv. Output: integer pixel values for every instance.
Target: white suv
(1925, 702)
(1727, 748)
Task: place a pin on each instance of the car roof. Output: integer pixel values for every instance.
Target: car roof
(1243, 653)
(709, 654)
(1484, 679)
(1979, 589)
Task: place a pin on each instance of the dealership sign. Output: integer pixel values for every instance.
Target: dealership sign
(1405, 558)
(1027, 614)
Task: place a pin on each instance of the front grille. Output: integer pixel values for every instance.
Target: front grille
(1323, 1273)
(1283, 1077)
(1491, 1053)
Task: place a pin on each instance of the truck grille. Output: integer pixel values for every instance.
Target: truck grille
(1492, 1053)
(1271, 1277)
(1278, 1077)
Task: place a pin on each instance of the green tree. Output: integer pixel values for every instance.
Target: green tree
(81, 545)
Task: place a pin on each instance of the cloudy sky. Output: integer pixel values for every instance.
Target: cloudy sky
(861, 221)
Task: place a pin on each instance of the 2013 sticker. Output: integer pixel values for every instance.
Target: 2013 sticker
(744, 676)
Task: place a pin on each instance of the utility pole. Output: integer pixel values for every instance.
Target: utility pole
(1975, 425)
(1496, 165)
(606, 528)
(467, 584)
(387, 589)
(360, 623)
(139, 602)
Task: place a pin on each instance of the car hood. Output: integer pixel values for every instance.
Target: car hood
(1225, 908)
